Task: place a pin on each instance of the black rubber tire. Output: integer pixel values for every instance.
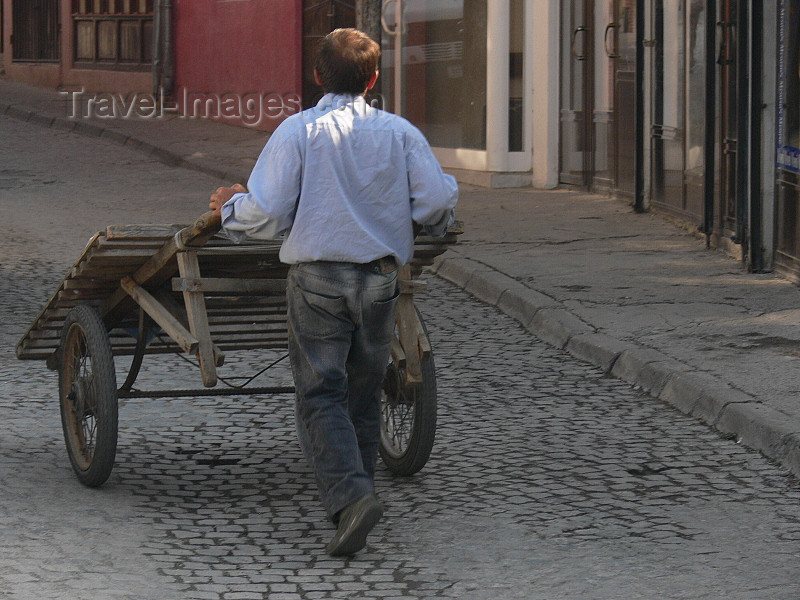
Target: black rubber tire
(406, 446)
(87, 388)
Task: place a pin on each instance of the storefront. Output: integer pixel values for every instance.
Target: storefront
(463, 72)
(710, 118)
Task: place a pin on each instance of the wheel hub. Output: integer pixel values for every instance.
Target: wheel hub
(393, 387)
(79, 395)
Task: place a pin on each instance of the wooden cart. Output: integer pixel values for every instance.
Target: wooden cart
(151, 289)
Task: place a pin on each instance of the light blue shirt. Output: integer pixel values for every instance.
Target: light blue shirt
(343, 182)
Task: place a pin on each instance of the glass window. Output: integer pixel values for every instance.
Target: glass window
(113, 33)
(696, 88)
(441, 52)
(668, 105)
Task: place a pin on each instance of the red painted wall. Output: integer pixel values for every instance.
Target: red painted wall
(239, 60)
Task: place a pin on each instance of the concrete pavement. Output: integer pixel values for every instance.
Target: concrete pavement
(633, 294)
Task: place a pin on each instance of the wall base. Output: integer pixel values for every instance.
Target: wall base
(491, 179)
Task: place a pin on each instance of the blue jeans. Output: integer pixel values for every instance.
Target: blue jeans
(341, 321)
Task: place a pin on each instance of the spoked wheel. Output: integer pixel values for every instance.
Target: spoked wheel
(88, 396)
(408, 419)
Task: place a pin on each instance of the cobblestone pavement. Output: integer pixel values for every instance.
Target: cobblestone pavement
(548, 480)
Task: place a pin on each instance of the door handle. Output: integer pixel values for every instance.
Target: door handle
(399, 28)
(614, 52)
(727, 29)
(575, 33)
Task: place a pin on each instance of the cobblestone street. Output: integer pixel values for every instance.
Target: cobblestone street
(548, 479)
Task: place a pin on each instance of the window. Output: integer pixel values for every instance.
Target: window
(115, 34)
(35, 30)
(441, 51)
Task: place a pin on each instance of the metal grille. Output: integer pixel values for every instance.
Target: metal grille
(113, 33)
(35, 35)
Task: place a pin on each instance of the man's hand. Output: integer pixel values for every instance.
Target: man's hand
(222, 195)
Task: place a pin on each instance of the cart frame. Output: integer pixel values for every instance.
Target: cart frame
(134, 277)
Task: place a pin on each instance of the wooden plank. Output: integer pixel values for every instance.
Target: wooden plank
(398, 356)
(198, 319)
(158, 350)
(142, 231)
(229, 285)
(84, 294)
(160, 315)
(90, 270)
(119, 256)
(121, 244)
(244, 304)
(238, 331)
(240, 251)
(407, 329)
(280, 344)
(423, 342)
(250, 320)
(409, 286)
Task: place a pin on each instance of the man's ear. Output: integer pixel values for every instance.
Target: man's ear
(317, 78)
(372, 80)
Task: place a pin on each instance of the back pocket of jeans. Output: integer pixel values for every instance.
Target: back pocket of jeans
(383, 311)
(318, 314)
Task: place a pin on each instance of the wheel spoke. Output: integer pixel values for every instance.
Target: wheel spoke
(81, 395)
(398, 417)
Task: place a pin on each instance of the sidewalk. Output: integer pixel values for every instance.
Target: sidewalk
(633, 294)
(213, 148)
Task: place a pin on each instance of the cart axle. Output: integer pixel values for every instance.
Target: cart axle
(204, 392)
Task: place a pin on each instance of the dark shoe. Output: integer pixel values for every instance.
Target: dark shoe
(355, 522)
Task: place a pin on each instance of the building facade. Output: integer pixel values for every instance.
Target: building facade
(239, 61)
(688, 107)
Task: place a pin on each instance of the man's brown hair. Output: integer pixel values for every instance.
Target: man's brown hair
(346, 61)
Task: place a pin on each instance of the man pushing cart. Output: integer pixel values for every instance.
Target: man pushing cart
(346, 187)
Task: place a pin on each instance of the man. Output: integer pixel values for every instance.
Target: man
(344, 183)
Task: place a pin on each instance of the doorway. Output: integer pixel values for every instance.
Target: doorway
(729, 122)
(678, 109)
(598, 67)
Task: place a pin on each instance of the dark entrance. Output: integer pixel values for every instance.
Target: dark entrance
(727, 61)
(319, 19)
(598, 67)
(35, 35)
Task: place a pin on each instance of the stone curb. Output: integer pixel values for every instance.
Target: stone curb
(765, 429)
(728, 410)
(121, 138)
(557, 326)
(597, 348)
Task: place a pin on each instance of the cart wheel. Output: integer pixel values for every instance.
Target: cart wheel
(408, 419)
(87, 388)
